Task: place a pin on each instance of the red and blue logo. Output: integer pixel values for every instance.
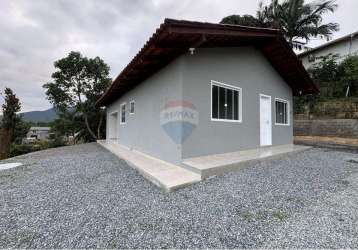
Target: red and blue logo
(179, 119)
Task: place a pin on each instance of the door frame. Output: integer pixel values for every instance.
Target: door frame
(113, 130)
(270, 111)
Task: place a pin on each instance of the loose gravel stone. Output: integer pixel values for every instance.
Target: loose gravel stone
(85, 197)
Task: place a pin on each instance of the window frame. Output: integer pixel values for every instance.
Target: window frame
(121, 113)
(111, 115)
(287, 111)
(130, 107)
(226, 86)
(114, 113)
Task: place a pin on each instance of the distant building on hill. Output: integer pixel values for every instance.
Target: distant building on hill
(343, 47)
(39, 133)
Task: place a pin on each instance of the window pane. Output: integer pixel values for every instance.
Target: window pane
(229, 104)
(236, 105)
(123, 114)
(281, 112)
(278, 112)
(132, 107)
(222, 108)
(215, 101)
(225, 103)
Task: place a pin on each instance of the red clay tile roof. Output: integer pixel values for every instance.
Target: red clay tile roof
(174, 37)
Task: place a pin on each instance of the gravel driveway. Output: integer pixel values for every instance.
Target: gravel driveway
(83, 196)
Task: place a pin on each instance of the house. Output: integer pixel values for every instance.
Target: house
(197, 89)
(343, 47)
(38, 133)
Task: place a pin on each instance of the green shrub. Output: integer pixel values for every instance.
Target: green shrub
(57, 142)
(42, 144)
(20, 149)
(336, 80)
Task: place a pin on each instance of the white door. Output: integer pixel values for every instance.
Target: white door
(113, 126)
(265, 121)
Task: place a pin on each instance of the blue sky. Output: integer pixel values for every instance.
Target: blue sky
(36, 33)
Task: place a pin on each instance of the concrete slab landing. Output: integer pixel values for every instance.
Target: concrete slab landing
(163, 174)
(9, 165)
(171, 177)
(221, 163)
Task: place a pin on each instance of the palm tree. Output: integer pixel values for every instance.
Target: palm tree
(299, 21)
(245, 20)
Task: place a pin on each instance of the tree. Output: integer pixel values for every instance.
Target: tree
(335, 80)
(77, 84)
(68, 124)
(245, 20)
(299, 21)
(9, 120)
(20, 131)
(326, 76)
(326, 69)
(9, 109)
(348, 71)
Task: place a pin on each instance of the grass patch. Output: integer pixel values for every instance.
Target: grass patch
(280, 215)
(248, 216)
(113, 244)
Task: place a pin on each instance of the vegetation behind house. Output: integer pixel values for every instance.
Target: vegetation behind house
(338, 84)
(13, 129)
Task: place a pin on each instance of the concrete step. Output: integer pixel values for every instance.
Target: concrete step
(217, 164)
(163, 174)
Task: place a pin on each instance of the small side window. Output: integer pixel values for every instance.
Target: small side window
(131, 107)
(282, 112)
(123, 113)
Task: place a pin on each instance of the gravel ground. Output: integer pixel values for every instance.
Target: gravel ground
(85, 197)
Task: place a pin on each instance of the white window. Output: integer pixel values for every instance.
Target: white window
(131, 107)
(123, 113)
(282, 110)
(226, 102)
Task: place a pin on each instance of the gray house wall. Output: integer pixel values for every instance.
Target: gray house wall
(142, 130)
(188, 78)
(242, 67)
